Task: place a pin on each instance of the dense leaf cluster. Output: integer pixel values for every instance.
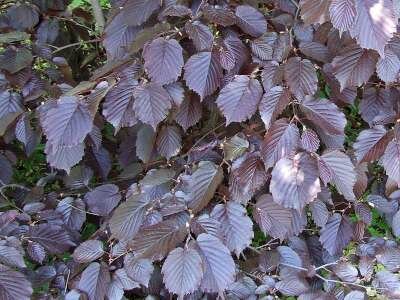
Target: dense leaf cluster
(237, 149)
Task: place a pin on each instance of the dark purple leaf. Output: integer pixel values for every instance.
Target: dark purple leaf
(103, 199)
(23, 16)
(309, 140)
(391, 160)
(273, 219)
(14, 60)
(371, 143)
(11, 256)
(53, 238)
(336, 234)
(324, 114)
(315, 51)
(354, 66)
(88, 251)
(163, 60)
(345, 271)
(280, 141)
(239, 99)
(152, 103)
(14, 285)
(36, 252)
(189, 112)
(272, 104)
(94, 281)
(138, 269)
(301, 77)
(10, 109)
(200, 34)
(292, 286)
(183, 271)
(374, 102)
(72, 212)
(219, 14)
(263, 47)
(320, 212)
(250, 20)
(169, 142)
(388, 67)
(314, 11)
(203, 73)
(235, 146)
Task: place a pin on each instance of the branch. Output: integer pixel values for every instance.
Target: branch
(75, 44)
(98, 15)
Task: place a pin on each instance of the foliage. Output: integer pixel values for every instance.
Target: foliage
(241, 149)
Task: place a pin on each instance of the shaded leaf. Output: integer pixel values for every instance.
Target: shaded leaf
(189, 112)
(343, 14)
(14, 285)
(200, 34)
(301, 77)
(320, 212)
(272, 104)
(169, 142)
(10, 109)
(138, 269)
(235, 146)
(202, 185)
(336, 234)
(53, 238)
(72, 212)
(314, 11)
(371, 143)
(103, 199)
(94, 281)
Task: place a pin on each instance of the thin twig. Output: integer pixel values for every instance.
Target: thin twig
(348, 283)
(76, 44)
(293, 267)
(203, 137)
(326, 265)
(66, 283)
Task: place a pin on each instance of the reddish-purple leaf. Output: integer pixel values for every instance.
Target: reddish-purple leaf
(324, 114)
(203, 73)
(388, 67)
(236, 226)
(163, 60)
(239, 99)
(55, 239)
(272, 104)
(94, 281)
(183, 271)
(280, 141)
(391, 160)
(189, 112)
(169, 142)
(374, 102)
(103, 199)
(263, 47)
(336, 234)
(10, 109)
(354, 66)
(315, 51)
(136, 12)
(72, 212)
(250, 20)
(301, 77)
(273, 219)
(200, 34)
(88, 251)
(320, 212)
(343, 14)
(219, 14)
(371, 30)
(152, 103)
(138, 269)
(371, 144)
(314, 11)
(64, 157)
(271, 75)
(295, 182)
(219, 267)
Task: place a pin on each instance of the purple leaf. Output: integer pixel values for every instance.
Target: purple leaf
(138, 269)
(301, 77)
(183, 271)
(320, 212)
(12, 257)
(374, 102)
(163, 60)
(388, 67)
(354, 66)
(53, 238)
(273, 219)
(64, 157)
(343, 14)
(152, 103)
(309, 140)
(103, 199)
(315, 51)
(14, 285)
(341, 172)
(272, 104)
(281, 140)
(189, 112)
(336, 234)
(200, 34)
(203, 73)
(94, 281)
(72, 212)
(250, 20)
(371, 31)
(202, 185)
(169, 142)
(236, 226)
(219, 14)
(10, 109)
(239, 99)
(136, 12)
(219, 267)
(314, 11)
(371, 143)
(295, 181)
(36, 252)
(88, 251)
